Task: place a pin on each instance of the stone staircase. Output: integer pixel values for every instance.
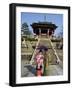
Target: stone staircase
(51, 55)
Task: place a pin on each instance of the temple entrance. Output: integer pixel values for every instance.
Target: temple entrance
(44, 28)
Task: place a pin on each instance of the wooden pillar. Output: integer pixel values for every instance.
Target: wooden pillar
(52, 34)
(39, 32)
(48, 33)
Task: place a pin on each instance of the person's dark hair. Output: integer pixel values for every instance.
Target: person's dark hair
(40, 50)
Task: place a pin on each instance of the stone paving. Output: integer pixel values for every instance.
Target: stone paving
(29, 70)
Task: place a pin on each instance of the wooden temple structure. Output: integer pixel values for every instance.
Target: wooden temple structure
(43, 28)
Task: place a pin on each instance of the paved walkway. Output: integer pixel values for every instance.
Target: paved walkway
(29, 70)
(54, 70)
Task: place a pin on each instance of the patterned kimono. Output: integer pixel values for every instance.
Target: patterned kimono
(39, 62)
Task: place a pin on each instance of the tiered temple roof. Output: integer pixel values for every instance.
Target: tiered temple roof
(44, 26)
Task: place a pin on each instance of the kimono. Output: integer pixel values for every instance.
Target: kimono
(39, 64)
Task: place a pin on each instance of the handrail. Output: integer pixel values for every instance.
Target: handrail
(32, 59)
(58, 59)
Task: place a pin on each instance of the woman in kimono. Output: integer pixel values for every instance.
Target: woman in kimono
(39, 63)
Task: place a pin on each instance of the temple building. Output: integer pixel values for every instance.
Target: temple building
(43, 28)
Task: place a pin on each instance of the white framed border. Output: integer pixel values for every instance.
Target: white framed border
(64, 77)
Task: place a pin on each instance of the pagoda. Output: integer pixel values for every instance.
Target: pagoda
(43, 28)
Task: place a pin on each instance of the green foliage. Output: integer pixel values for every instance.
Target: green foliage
(25, 29)
(55, 40)
(31, 39)
(24, 26)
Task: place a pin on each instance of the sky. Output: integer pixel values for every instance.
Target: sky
(30, 18)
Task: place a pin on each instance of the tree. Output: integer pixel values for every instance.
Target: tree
(60, 34)
(25, 29)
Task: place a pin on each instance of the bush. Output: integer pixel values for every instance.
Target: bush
(31, 39)
(56, 40)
